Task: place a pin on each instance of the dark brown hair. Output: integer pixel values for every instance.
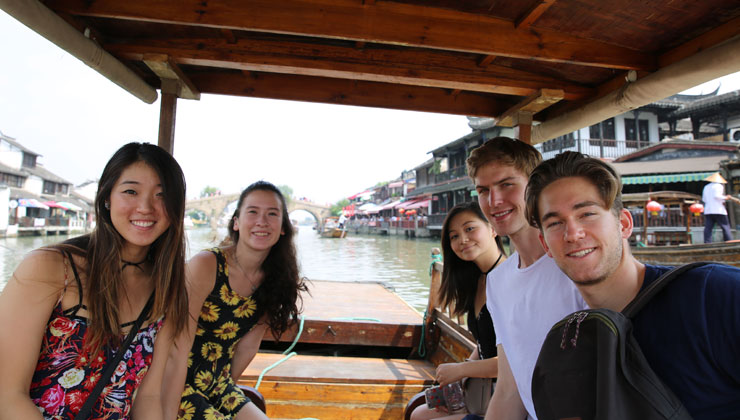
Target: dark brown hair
(460, 278)
(279, 294)
(573, 164)
(101, 249)
(505, 150)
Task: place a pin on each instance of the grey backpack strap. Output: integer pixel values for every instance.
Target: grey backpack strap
(644, 297)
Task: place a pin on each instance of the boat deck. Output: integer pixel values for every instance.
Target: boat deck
(337, 387)
(355, 314)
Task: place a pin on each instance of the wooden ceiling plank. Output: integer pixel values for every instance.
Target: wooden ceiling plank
(385, 22)
(392, 66)
(228, 35)
(166, 69)
(704, 41)
(347, 92)
(529, 105)
(485, 61)
(526, 20)
(713, 38)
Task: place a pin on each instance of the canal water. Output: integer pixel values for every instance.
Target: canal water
(401, 263)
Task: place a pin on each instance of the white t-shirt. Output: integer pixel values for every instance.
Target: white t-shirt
(524, 305)
(713, 197)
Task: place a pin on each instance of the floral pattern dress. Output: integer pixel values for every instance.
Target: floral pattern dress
(66, 372)
(210, 392)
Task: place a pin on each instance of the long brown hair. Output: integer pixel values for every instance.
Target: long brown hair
(460, 278)
(101, 249)
(279, 294)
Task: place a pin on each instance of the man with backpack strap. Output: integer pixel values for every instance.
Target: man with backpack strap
(689, 333)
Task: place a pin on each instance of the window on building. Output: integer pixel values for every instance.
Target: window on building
(50, 187)
(11, 180)
(606, 127)
(29, 160)
(629, 131)
(559, 143)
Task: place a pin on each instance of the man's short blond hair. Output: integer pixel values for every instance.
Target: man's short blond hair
(504, 150)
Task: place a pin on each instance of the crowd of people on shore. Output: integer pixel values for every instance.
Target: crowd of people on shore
(115, 324)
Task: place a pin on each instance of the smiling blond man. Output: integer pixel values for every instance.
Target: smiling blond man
(527, 293)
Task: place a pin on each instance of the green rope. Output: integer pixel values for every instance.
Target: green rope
(355, 318)
(289, 355)
(422, 347)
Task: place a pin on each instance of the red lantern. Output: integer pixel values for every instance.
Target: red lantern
(653, 207)
(696, 208)
(401, 211)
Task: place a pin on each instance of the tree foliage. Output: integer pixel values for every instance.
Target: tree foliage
(209, 190)
(336, 208)
(287, 193)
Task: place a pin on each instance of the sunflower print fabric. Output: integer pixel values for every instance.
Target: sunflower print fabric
(210, 392)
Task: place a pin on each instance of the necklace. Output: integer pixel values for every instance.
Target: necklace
(495, 264)
(135, 264)
(244, 273)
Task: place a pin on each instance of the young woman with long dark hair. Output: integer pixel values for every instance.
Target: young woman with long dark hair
(471, 249)
(65, 311)
(236, 293)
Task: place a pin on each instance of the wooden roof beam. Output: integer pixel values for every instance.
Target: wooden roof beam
(529, 106)
(421, 68)
(173, 79)
(526, 20)
(716, 37)
(348, 92)
(384, 22)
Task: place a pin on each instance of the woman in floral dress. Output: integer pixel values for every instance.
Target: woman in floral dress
(64, 312)
(236, 294)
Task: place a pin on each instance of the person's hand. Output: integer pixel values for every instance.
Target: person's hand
(448, 373)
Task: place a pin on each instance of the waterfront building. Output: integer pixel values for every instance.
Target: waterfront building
(34, 199)
(700, 135)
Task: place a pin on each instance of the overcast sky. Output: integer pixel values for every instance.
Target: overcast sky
(76, 119)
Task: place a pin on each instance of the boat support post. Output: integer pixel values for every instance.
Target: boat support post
(174, 84)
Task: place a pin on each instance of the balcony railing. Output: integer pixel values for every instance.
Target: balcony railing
(606, 148)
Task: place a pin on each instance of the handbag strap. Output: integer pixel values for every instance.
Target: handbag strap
(86, 409)
(646, 294)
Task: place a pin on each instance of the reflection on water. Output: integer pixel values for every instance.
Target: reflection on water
(397, 261)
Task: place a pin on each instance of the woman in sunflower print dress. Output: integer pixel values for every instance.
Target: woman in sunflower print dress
(236, 294)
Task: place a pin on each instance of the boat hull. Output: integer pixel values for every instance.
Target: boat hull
(721, 252)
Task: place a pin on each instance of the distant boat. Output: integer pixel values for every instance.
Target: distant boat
(188, 222)
(332, 229)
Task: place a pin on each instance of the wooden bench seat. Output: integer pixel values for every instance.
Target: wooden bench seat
(326, 387)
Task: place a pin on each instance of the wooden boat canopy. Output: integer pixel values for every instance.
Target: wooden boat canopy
(521, 62)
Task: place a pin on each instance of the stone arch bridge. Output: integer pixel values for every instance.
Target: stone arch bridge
(214, 206)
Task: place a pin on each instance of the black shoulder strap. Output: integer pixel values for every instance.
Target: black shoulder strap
(644, 296)
(86, 410)
(73, 310)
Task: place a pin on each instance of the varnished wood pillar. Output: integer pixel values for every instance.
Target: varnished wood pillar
(167, 112)
(524, 126)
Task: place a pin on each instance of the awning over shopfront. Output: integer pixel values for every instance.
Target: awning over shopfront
(390, 205)
(418, 204)
(69, 206)
(665, 178)
(32, 202)
(369, 208)
(55, 205)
